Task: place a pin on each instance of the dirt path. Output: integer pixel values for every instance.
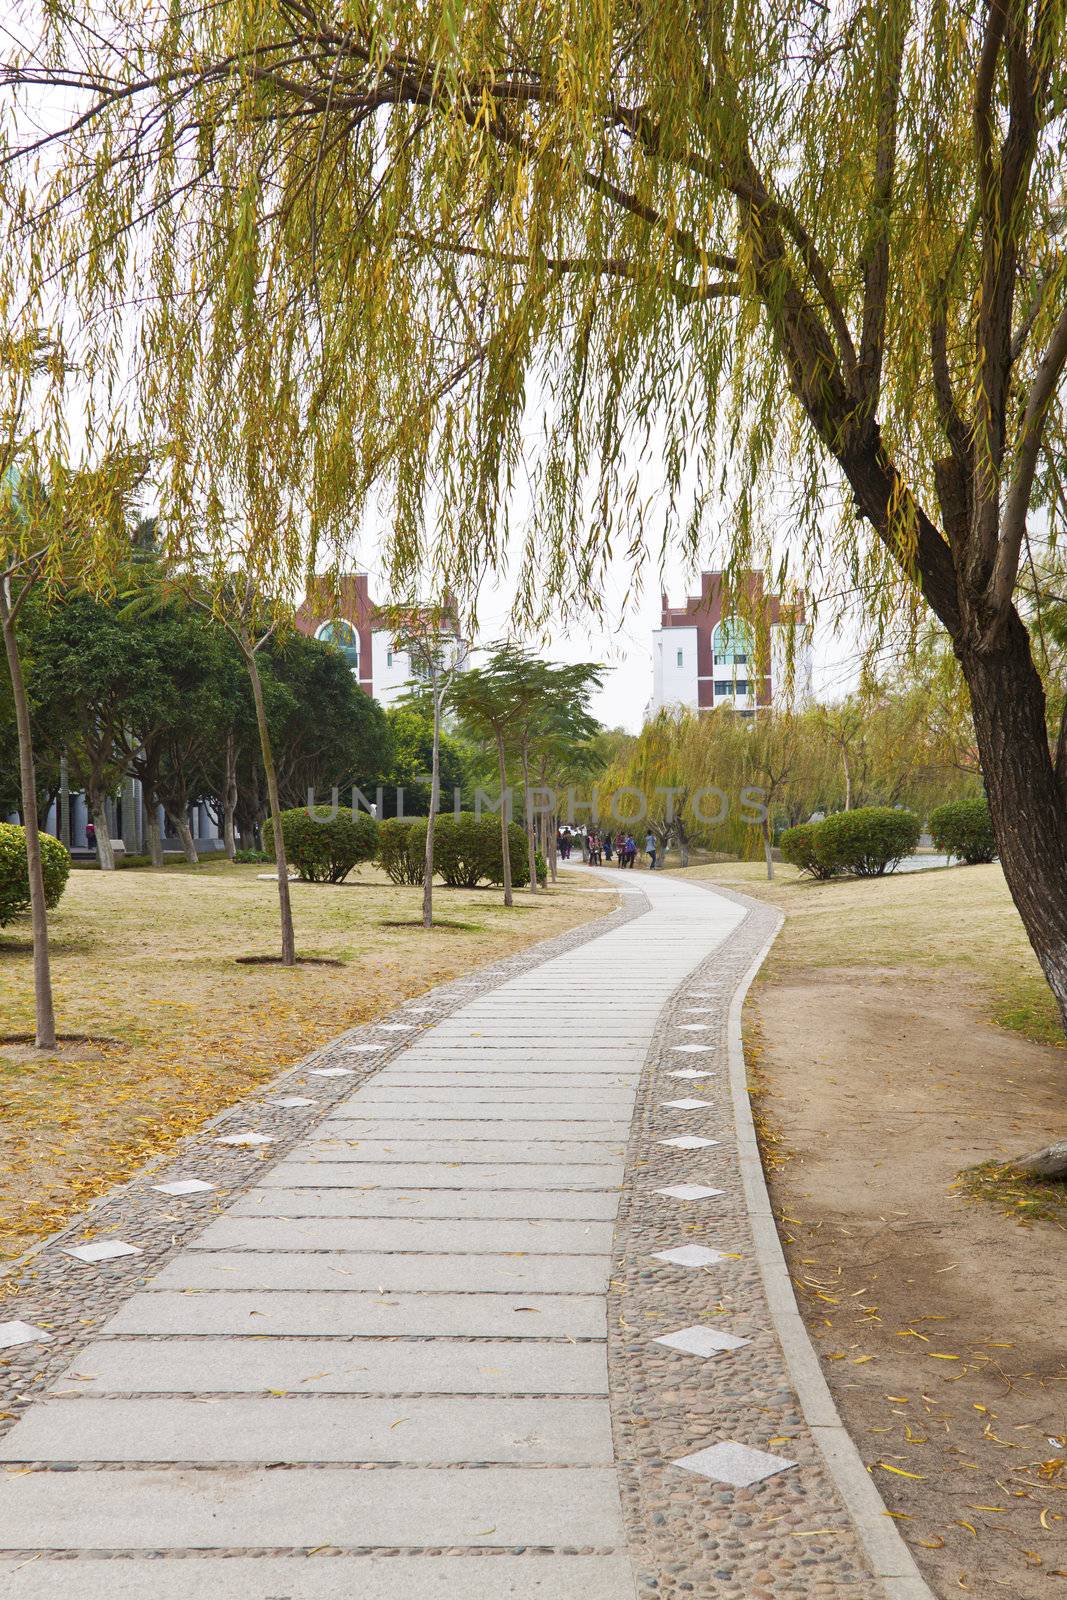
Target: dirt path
(941, 1322)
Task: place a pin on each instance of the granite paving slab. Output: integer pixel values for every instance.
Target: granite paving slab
(549, 1235)
(533, 1204)
(334, 1366)
(432, 1273)
(326, 1577)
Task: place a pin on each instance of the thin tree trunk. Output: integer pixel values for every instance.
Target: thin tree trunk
(848, 780)
(531, 841)
(284, 903)
(45, 1024)
(767, 851)
(431, 821)
(153, 835)
(185, 836)
(102, 830)
(505, 846)
(551, 835)
(1029, 820)
(229, 797)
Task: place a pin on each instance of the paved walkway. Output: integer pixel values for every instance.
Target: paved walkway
(391, 1350)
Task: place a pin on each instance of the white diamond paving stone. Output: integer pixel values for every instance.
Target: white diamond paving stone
(15, 1333)
(292, 1100)
(396, 1027)
(694, 1027)
(184, 1186)
(104, 1250)
(689, 1142)
(701, 1341)
(735, 1464)
(691, 1255)
(690, 1072)
(349, 1050)
(686, 1105)
(246, 1138)
(690, 1192)
(693, 1049)
(336, 1072)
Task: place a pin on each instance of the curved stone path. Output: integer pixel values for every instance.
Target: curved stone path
(429, 1355)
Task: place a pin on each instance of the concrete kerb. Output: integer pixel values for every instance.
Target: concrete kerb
(891, 1561)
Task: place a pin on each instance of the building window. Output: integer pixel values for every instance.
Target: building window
(388, 658)
(723, 686)
(731, 643)
(343, 636)
(681, 657)
(741, 686)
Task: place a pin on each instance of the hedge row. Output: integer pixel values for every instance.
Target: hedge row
(863, 843)
(325, 848)
(14, 875)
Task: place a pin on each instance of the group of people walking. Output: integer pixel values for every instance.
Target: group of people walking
(598, 848)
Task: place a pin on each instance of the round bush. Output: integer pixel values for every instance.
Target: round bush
(964, 828)
(867, 842)
(324, 848)
(15, 878)
(399, 854)
(466, 851)
(798, 848)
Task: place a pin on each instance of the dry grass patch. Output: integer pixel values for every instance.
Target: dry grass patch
(147, 966)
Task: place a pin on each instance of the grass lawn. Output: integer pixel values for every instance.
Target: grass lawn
(145, 965)
(900, 1035)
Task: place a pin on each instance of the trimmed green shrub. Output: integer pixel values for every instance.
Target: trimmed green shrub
(964, 828)
(324, 848)
(466, 851)
(398, 854)
(798, 848)
(15, 879)
(248, 858)
(866, 842)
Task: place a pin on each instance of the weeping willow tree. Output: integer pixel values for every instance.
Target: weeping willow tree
(439, 244)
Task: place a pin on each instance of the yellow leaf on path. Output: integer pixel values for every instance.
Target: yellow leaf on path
(968, 1525)
(932, 1544)
(900, 1471)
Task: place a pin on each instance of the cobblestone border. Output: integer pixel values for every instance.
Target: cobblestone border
(820, 1530)
(71, 1300)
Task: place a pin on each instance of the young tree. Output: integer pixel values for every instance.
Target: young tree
(483, 699)
(430, 638)
(828, 235)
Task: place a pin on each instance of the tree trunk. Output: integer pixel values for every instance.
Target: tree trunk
(431, 821)
(768, 855)
(102, 829)
(1029, 820)
(531, 838)
(229, 798)
(505, 846)
(185, 836)
(284, 903)
(152, 832)
(45, 1024)
(848, 780)
(683, 844)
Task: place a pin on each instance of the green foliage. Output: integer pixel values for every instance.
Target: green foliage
(246, 858)
(398, 854)
(324, 849)
(799, 849)
(409, 759)
(14, 877)
(867, 842)
(964, 828)
(466, 851)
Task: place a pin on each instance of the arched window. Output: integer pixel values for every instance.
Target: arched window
(731, 643)
(343, 636)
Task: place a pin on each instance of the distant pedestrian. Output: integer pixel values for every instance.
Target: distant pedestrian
(631, 849)
(90, 835)
(620, 848)
(592, 843)
(607, 846)
(650, 849)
